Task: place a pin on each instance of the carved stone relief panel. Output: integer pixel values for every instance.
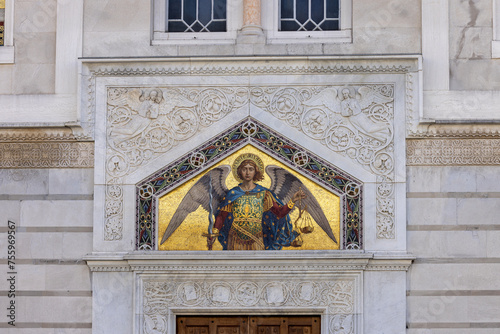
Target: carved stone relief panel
(355, 121)
(162, 297)
(453, 152)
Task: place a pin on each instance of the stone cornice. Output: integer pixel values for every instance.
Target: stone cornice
(40, 133)
(459, 130)
(253, 262)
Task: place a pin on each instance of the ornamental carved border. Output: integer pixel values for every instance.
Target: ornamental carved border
(452, 152)
(356, 121)
(47, 155)
(162, 297)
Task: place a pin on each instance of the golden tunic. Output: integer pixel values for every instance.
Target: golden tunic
(246, 230)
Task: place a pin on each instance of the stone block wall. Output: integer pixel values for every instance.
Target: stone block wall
(51, 209)
(453, 231)
(471, 33)
(112, 29)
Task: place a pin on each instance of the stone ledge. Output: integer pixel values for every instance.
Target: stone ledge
(255, 261)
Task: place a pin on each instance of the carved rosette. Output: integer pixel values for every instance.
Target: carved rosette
(159, 297)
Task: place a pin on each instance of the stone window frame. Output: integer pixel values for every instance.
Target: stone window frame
(160, 36)
(495, 44)
(7, 50)
(270, 23)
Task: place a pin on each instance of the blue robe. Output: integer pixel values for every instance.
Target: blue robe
(275, 236)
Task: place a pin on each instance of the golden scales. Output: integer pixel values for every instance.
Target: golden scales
(303, 224)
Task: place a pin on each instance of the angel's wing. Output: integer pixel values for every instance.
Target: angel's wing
(368, 96)
(172, 99)
(285, 184)
(327, 97)
(199, 194)
(134, 99)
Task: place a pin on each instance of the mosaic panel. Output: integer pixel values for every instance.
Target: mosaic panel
(262, 137)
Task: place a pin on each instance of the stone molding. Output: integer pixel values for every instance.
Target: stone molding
(389, 265)
(40, 134)
(47, 155)
(223, 262)
(460, 130)
(452, 152)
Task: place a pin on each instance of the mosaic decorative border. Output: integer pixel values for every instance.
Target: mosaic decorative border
(289, 153)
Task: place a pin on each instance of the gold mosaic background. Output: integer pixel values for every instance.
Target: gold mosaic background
(189, 235)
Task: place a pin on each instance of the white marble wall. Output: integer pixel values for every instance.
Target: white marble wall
(52, 211)
(453, 231)
(471, 33)
(35, 44)
(112, 29)
(452, 211)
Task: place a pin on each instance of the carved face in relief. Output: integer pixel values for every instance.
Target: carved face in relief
(345, 93)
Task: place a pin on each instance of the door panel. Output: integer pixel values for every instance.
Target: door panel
(249, 325)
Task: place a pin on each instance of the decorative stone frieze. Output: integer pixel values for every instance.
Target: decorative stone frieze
(167, 284)
(47, 155)
(334, 298)
(452, 152)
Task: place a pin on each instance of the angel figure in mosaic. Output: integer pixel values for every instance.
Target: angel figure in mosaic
(249, 216)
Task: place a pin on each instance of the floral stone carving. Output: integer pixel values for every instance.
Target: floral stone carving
(160, 297)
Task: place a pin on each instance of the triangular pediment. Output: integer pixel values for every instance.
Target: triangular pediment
(250, 132)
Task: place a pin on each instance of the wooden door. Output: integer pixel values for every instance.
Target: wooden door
(249, 325)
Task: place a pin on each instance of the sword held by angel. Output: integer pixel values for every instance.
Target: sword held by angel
(249, 216)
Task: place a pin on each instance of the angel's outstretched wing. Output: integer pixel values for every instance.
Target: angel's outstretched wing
(199, 194)
(285, 184)
(135, 99)
(368, 96)
(328, 98)
(173, 99)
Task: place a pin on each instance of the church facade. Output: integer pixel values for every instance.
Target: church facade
(123, 125)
